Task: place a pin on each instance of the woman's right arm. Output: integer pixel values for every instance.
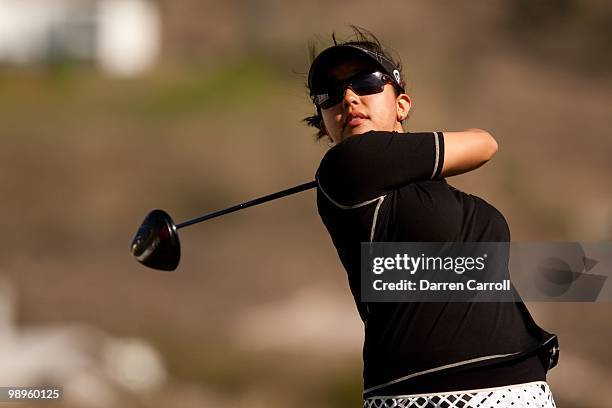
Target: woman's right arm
(466, 151)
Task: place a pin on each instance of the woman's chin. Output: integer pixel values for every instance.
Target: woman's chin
(359, 129)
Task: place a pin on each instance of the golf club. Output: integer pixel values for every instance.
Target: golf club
(157, 245)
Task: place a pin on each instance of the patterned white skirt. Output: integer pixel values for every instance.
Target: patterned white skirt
(529, 395)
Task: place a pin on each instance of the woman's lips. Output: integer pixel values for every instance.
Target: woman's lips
(354, 122)
(355, 119)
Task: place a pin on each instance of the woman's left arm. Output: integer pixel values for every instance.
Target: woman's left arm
(466, 151)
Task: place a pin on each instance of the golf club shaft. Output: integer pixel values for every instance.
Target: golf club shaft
(260, 200)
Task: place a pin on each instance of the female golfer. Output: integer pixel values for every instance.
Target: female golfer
(380, 183)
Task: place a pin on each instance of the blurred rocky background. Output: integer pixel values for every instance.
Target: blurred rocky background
(110, 108)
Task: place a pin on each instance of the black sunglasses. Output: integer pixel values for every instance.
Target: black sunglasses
(362, 84)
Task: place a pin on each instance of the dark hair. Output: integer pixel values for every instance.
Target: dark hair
(362, 38)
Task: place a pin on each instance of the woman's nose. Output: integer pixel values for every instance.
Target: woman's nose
(349, 96)
(349, 93)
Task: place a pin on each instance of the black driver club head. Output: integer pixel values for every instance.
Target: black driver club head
(156, 243)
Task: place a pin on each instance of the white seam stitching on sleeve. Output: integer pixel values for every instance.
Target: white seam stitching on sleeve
(436, 162)
(348, 207)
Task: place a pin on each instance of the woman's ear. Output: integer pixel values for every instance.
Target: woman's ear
(403, 104)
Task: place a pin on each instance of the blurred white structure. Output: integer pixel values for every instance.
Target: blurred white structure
(122, 36)
(96, 370)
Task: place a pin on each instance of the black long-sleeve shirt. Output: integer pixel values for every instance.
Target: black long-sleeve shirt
(386, 187)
